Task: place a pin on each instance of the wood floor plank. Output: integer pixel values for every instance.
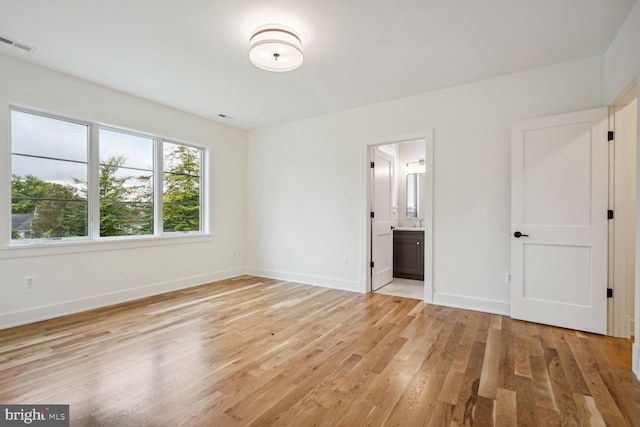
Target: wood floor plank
(376, 405)
(549, 417)
(506, 408)
(485, 411)
(491, 363)
(451, 387)
(526, 405)
(467, 398)
(441, 416)
(588, 412)
(520, 350)
(572, 371)
(541, 383)
(460, 358)
(599, 391)
(561, 390)
(256, 351)
(415, 406)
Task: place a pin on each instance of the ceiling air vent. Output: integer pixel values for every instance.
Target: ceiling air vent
(19, 45)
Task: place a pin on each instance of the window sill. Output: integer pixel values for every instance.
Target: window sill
(60, 247)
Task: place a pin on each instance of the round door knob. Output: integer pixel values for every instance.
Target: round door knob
(518, 235)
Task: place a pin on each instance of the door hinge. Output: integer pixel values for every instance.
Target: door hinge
(610, 135)
(610, 214)
(371, 264)
(373, 165)
(372, 215)
(609, 293)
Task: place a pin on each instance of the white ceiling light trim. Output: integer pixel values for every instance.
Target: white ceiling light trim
(274, 47)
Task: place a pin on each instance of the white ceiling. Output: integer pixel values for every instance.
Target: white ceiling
(192, 54)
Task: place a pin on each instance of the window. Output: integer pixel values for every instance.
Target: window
(126, 184)
(48, 177)
(181, 183)
(137, 185)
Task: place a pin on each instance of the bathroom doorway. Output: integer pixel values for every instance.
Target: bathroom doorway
(400, 199)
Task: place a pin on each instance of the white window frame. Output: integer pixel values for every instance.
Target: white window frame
(93, 190)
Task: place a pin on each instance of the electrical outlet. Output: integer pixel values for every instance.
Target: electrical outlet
(29, 282)
(345, 261)
(507, 277)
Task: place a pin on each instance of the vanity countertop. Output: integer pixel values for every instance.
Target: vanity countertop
(409, 228)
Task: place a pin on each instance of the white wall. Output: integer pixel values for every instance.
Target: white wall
(307, 180)
(622, 58)
(80, 277)
(622, 70)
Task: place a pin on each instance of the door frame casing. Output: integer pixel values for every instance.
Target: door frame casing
(427, 137)
(621, 243)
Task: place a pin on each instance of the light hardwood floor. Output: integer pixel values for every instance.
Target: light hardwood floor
(254, 352)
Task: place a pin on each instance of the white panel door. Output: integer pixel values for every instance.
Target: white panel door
(559, 199)
(382, 242)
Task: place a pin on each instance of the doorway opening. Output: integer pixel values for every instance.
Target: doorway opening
(621, 310)
(400, 201)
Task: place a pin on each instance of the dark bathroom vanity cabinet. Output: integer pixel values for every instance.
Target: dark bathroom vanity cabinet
(408, 254)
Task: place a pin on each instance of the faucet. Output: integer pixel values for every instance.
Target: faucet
(420, 222)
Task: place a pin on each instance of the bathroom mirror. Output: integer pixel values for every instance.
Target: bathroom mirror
(415, 201)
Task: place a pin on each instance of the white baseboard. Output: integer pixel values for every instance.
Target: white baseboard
(325, 282)
(468, 303)
(36, 314)
(635, 363)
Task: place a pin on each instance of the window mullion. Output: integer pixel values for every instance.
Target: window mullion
(93, 183)
(158, 182)
(204, 205)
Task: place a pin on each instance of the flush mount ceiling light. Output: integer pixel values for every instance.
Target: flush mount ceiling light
(274, 47)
